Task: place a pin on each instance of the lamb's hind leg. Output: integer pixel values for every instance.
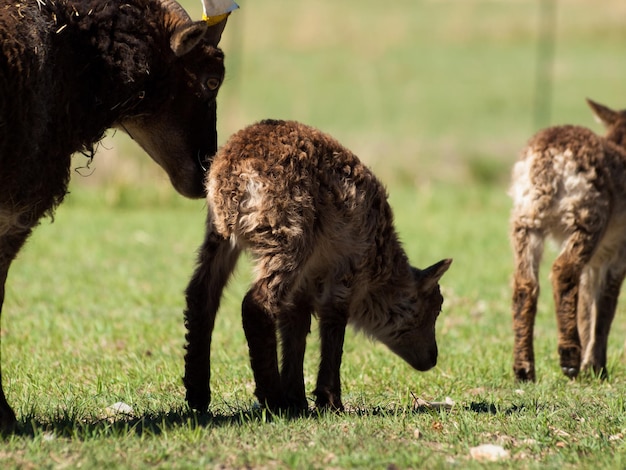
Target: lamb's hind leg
(566, 276)
(264, 302)
(260, 330)
(600, 318)
(527, 248)
(294, 326)
(216, 261)
(333, 323)
(10, 245)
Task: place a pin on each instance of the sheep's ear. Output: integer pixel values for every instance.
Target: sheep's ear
(215, 13)
(186, 38)
(604, 115)
(430, 276)
(214, 33)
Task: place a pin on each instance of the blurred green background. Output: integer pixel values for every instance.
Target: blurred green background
(420, 90)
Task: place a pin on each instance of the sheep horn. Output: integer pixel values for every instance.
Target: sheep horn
(174, 7)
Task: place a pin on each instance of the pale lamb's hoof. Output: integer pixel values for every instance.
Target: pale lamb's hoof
(571, 372)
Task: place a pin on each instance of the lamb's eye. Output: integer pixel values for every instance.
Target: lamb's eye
(213, 84)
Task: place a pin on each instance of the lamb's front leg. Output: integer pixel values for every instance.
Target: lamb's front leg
(332, 333)
(216, 261)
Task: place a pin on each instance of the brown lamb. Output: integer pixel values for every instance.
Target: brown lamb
(570, 184)
(71, 69)
(320, 230)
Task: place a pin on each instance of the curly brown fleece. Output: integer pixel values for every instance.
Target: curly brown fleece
(320, 230)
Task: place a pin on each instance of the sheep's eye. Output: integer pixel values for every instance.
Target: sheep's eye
(213, 84)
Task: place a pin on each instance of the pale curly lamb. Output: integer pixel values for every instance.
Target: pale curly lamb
(570, 184)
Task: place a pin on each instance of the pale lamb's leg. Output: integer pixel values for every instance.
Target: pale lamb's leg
(527, 248)
(566, 275)
(601, 318)
(216, 261)
(333, 323)
(586, 309)
(294, 326)
(10, 245)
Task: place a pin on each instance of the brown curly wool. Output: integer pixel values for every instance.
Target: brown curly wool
(320, 231)
(570, 184)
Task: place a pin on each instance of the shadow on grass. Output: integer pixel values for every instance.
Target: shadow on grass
(148, 424)
(69, 426)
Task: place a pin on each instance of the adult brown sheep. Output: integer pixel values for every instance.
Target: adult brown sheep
(70, 69)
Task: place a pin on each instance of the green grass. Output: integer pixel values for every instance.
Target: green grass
(94, 316)
(438, 98)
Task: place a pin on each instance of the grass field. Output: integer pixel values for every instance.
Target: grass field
(437, 96)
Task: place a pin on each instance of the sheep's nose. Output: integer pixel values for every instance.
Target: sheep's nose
(433, 356)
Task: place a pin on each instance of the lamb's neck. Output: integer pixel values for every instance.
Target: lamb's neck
(391, 284)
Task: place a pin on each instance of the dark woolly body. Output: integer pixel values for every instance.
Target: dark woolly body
(70, 70)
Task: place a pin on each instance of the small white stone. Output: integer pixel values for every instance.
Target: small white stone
(489, 452)
(119, 408)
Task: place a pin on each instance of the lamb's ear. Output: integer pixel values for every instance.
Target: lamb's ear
(187, 37)
(603, 114)
(430, 276)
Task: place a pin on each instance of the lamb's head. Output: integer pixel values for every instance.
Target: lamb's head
(614, 121)
(175, 121)
(411, 334)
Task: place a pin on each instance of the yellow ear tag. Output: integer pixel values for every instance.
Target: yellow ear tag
(211, 20)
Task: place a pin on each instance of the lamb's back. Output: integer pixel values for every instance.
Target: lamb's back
(566, 176)
(288, 175)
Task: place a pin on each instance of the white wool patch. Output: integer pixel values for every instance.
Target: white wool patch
(252, 201)
(576, 184)
(524, 193)
(521, 188)
(254, 192)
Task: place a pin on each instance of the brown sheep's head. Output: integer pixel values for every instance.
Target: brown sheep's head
(177, 123)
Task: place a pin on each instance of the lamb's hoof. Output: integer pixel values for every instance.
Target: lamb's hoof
(198, 400)
(571, 372)
(328, 401)
(524, 374)
(570, 361)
